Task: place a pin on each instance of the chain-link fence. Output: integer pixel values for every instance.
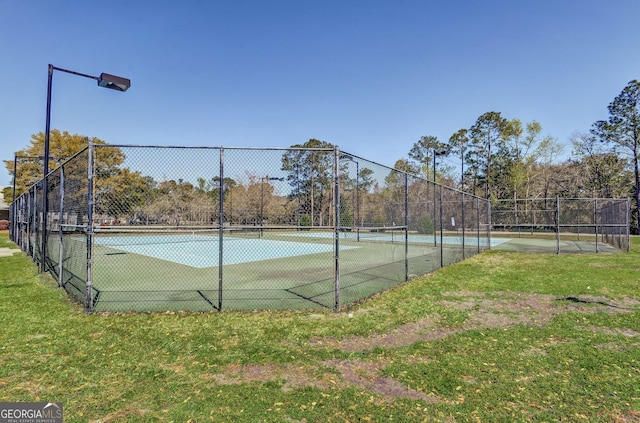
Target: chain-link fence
(566, 224)
(136, 228)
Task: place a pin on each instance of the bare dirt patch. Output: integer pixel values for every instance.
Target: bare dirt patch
(498, 310)
(292, 376)
(363, 374)
(629, 333)
(366, 375)
(485, 311)
(410, 333)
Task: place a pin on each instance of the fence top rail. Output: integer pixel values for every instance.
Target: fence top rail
(195, 147)
(511, 200)
(561, 225)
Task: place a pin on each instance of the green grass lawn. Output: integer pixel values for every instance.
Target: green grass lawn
(503, 336)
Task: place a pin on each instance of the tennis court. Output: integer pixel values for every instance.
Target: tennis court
(550, 244)
(200, 249)
(270, 268)
(149, 228)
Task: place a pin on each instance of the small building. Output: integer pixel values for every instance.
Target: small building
(4, 207)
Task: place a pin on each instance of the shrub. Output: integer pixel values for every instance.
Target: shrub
(424, 225)
(305, 220)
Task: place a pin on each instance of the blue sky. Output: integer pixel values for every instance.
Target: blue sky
(369, 76)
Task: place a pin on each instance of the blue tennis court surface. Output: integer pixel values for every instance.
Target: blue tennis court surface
(204, 252)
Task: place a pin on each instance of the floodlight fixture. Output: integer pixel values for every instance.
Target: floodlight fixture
(441, 152)
(438, 153)
(113, 82)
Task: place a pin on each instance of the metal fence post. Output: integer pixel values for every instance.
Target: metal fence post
(89, 225)
(220, 228)
(435, 236)
(32, 243)
(37, 221)
(27, 227)
(60, 232)
(478, 222)
(441, 229)
(44, 223)
(488, 223)
(406, 227)
(595, 220)
(628, 229)
(336, 226)
(463, 223)
(558, 225)
(43, 226)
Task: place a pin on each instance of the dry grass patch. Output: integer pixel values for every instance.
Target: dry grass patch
(499, 310)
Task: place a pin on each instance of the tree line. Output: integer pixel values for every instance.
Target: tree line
(495, 157)
(501, 158)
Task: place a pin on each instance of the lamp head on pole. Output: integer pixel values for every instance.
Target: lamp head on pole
(441, 152)
(113, 82)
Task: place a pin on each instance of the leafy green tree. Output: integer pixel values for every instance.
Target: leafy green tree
(622, 130)
(62, 146)
(526, 147)
(603, 173)
(459, 144)
(309, 168)
(422, 152)
(487, 138)
(117, 191)
(393, 192)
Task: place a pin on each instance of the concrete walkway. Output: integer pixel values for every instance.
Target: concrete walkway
(7, 252)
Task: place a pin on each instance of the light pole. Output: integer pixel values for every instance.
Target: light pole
(436, 153)
(105, 80)
(262, 180)
(15, 170)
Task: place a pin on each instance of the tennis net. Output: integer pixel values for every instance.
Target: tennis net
(141, 235)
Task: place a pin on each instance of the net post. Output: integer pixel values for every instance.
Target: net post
(336, 226)
(88, 305)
